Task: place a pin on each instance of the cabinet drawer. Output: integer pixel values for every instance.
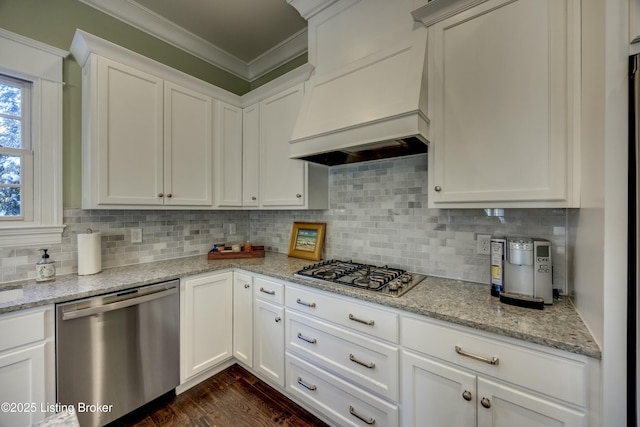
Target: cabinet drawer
(367, 362)
(549, 373)
(269, 290)
(22, 328)
(363, 318)
(341, 401)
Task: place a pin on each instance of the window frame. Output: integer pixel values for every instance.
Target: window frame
(24, 152)
(41, 65)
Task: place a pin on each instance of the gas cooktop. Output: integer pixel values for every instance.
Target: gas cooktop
(388, 281)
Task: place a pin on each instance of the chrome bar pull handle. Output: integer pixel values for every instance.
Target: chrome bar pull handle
(489, 360)
(308, 304)
(309, 340)
(355, 413)
(366, 322)
(307, 386)
(263, 290)
(369, 365)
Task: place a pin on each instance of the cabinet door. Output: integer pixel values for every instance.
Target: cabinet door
(206, 322)
(22, 376)
(188, 147)
(243, 318)
(130, 142)
(502, 406)
(504, 85)
(282, 179)
(251, 155)
(269, 340)
(436, 395)
(228, 155)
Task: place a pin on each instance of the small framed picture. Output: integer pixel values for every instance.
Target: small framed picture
(307, 239)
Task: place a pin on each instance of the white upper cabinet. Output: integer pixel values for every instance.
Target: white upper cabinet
(228, 154)
(283, 178)
(286, 182)
(251, 155)
(634, 24)
(187, 147)
(147, 141)
(504, 104)
(123, 141)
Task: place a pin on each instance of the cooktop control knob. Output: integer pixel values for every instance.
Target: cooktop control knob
(406, 278)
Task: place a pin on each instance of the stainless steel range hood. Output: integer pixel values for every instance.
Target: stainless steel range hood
(371, 108)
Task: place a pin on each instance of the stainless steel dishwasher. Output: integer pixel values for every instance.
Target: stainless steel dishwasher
(116, 352)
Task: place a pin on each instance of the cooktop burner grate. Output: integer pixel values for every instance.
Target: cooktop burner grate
(384, 280)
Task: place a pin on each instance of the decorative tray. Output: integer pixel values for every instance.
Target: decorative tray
(255, 252)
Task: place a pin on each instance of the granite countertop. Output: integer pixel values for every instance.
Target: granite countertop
(463, 303)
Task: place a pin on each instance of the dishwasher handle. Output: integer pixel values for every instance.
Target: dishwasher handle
(76, 314)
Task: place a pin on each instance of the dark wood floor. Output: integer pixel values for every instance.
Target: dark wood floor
(232, 398)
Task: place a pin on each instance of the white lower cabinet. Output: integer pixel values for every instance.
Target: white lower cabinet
(451, 378)
(338, 399)
(268, 338)
(206, 315)
(27, 366)
(243, 318)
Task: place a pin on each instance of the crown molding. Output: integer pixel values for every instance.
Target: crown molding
(153, 24)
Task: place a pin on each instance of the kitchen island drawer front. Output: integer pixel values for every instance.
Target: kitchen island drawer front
(365, 361)
(22, 328)
(363, 318)
(269, 290)
(550, 372)
(339, 400)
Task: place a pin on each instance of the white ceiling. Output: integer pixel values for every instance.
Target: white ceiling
(245, 37)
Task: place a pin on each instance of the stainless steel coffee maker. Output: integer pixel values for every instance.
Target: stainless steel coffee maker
(528, 275)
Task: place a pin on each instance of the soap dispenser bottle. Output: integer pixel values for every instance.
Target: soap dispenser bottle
(45, 268)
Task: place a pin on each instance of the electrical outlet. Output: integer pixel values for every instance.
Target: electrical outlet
(232, 228)
(483, 244)
(136, 235)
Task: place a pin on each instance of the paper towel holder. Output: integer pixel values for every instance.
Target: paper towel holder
(89, 253)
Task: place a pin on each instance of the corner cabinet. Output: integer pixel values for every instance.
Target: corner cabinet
(504, 103)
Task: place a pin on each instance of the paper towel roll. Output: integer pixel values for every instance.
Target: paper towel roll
(89, 254)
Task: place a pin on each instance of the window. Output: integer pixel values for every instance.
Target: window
(16, 157)
(30, 142)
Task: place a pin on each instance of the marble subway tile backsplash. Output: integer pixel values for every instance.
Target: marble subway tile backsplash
(166, 235)
(377, 213)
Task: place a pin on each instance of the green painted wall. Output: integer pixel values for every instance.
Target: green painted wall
(54, 22)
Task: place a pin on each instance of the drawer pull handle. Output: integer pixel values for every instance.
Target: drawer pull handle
(466, 395)
(307, 386)
(309, 340)
(485, 402)
(307, 304)
(490, 361)
(369, 365)
(366, 322)
(355, 413)
(267, 292)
